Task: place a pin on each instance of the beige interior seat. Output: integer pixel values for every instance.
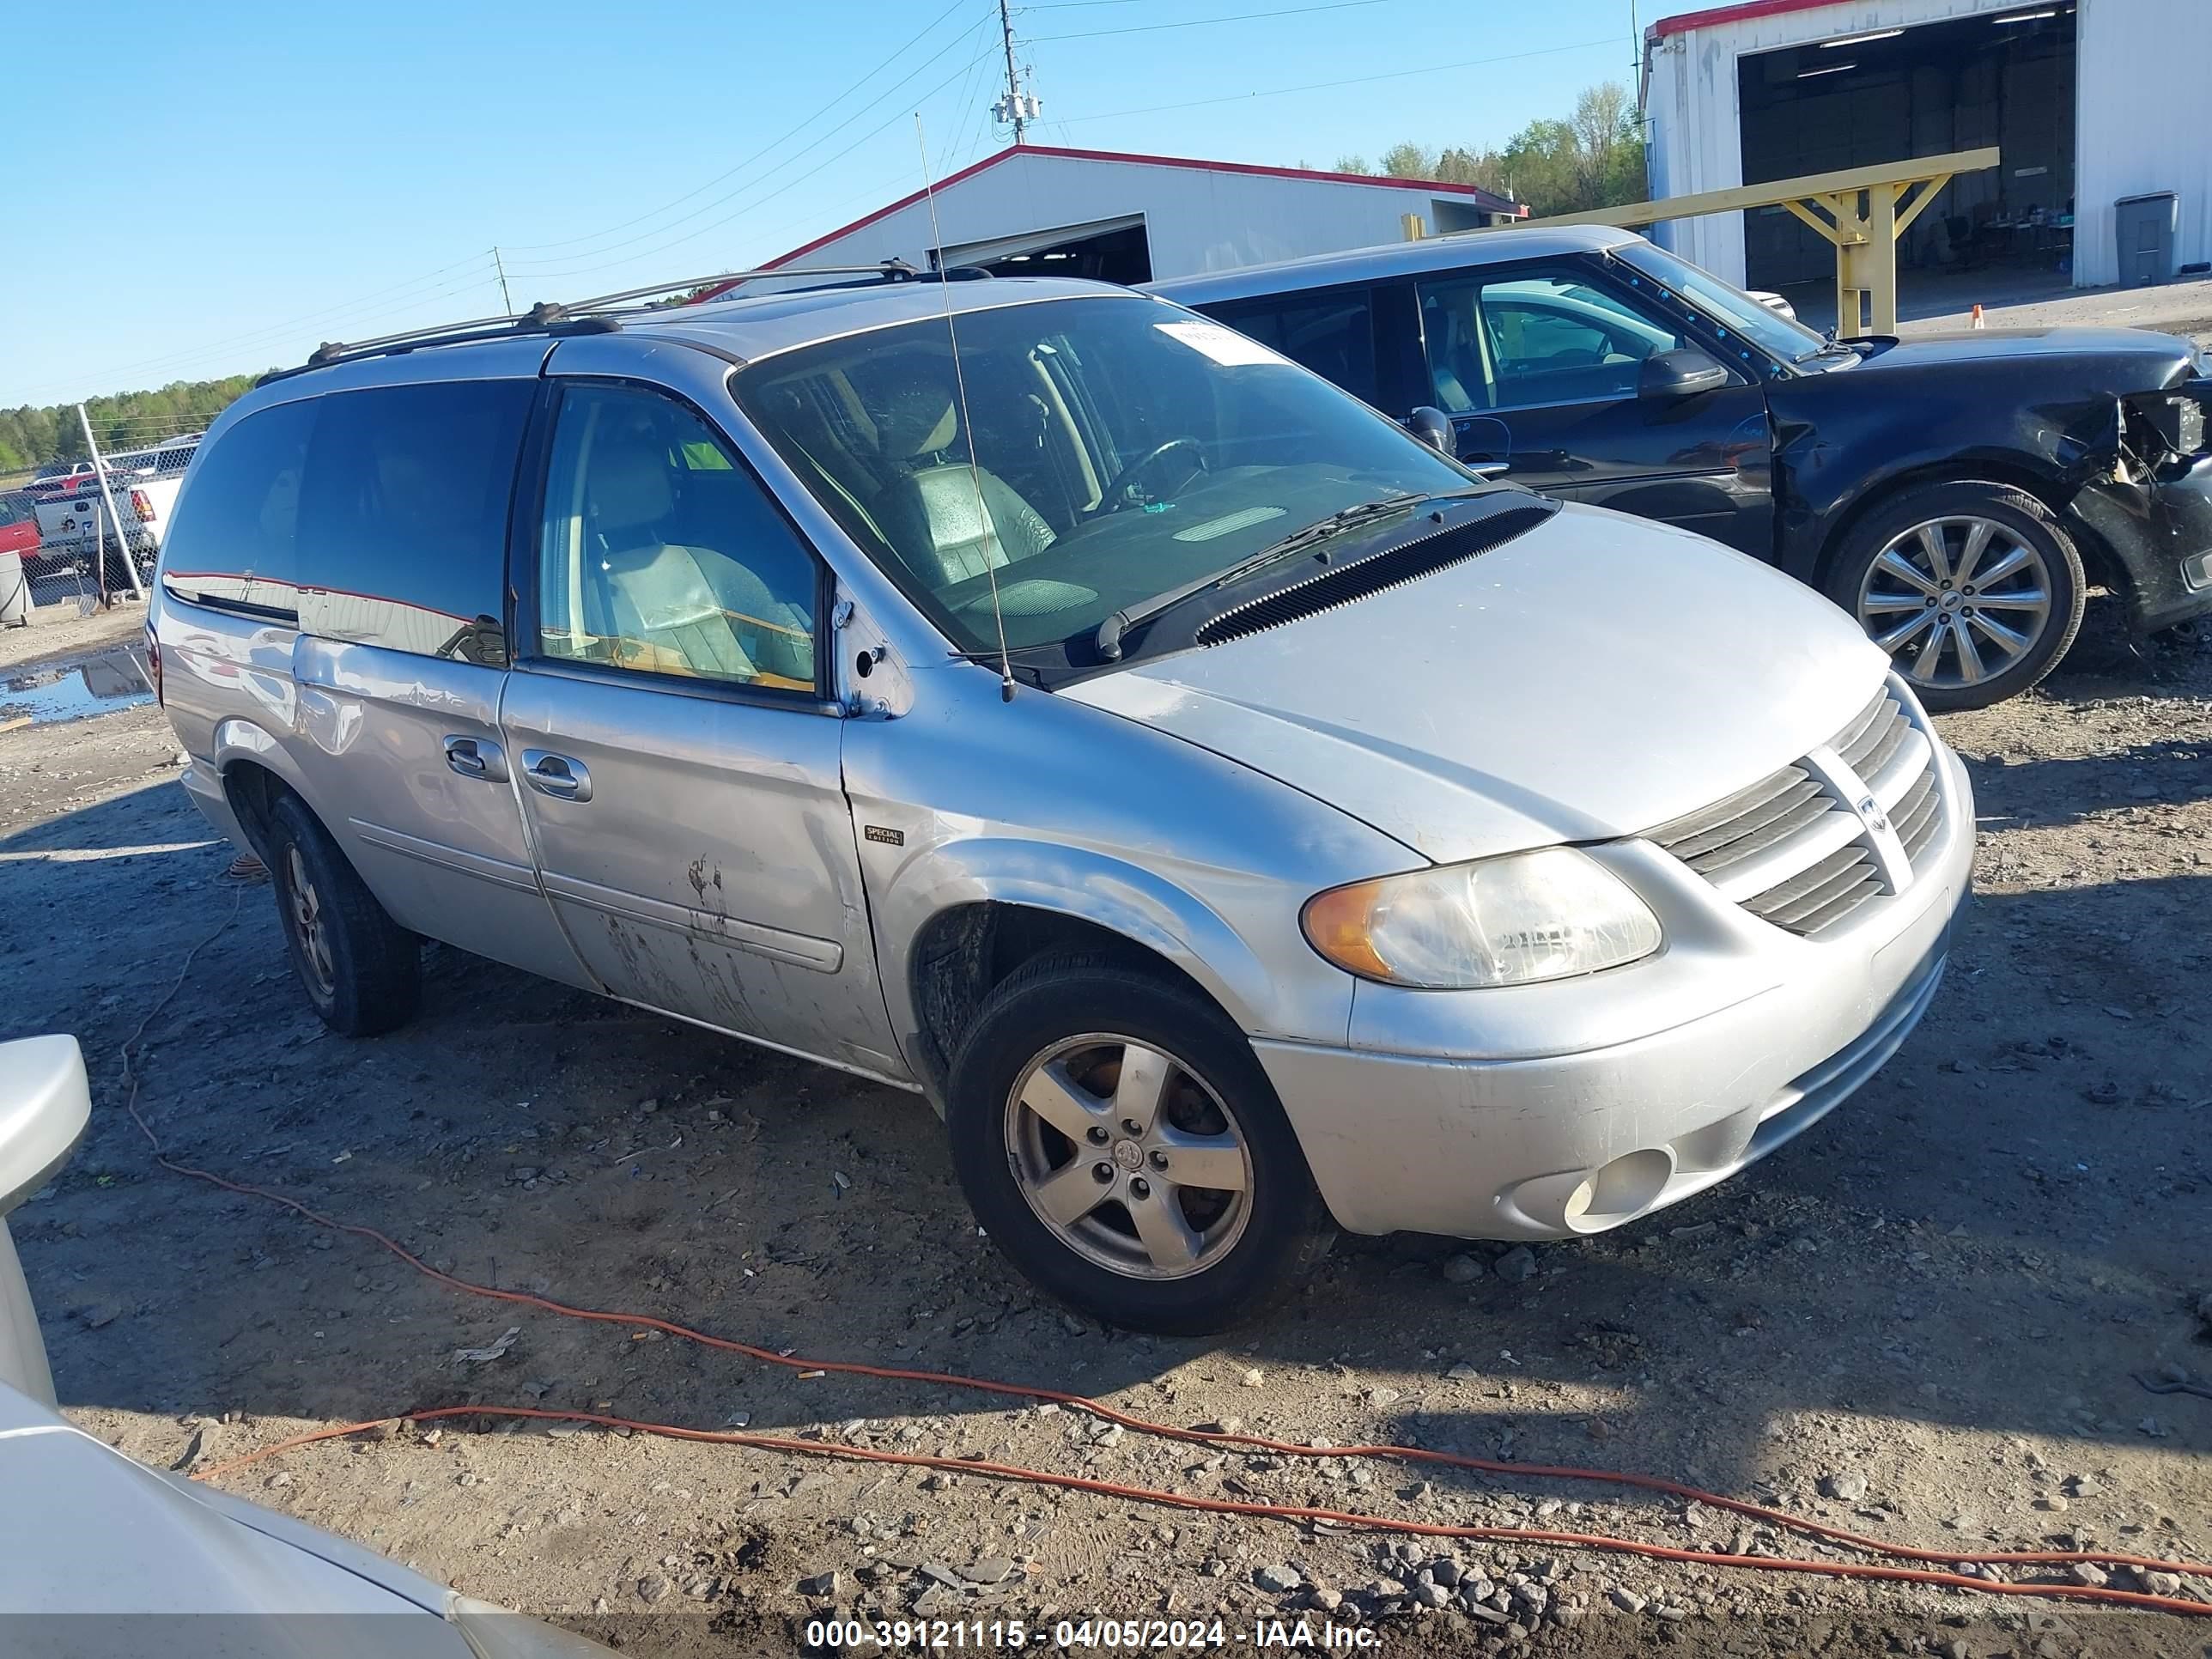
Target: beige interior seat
(948, 520)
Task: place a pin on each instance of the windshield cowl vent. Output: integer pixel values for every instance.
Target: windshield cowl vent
(1408, 561)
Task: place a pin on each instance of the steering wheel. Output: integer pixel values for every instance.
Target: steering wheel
(1116, 495)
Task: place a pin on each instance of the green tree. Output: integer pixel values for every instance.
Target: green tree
(1591, 158)
(32, 436)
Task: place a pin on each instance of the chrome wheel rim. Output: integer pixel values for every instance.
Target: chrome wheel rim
(308, 922)
(1955, 601)
(1129, 1156)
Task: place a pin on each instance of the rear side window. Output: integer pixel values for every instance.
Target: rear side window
(1332, 334)
(234, 540)
(404, 513)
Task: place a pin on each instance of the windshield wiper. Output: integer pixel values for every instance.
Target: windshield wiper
(1830, 347)
(1108, 639)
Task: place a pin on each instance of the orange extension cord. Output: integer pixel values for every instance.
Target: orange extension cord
(1291, 1512)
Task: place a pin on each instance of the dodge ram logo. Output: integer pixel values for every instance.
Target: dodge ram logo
(1872, 815)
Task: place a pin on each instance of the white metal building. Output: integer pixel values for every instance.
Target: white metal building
(1041, 210)
(2090, 100)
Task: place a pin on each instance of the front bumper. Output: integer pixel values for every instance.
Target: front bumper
(2160, 533)
(1555, 1145)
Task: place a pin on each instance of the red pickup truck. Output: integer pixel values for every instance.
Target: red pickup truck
(19, 525)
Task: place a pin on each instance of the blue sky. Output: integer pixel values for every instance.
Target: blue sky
(262, 176)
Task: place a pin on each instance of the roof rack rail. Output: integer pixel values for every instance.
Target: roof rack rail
(601, 314)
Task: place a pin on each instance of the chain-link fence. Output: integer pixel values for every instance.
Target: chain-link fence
(88, 531)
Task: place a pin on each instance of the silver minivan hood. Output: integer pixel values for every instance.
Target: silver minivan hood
(1592, 677)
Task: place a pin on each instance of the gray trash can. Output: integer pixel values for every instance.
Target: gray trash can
(2148, 227)
(15, 592)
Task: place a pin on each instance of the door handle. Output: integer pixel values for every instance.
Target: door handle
(476, 757)
(556, 775)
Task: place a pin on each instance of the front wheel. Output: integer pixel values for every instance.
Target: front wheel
(1124, 1149)
(1974, 590)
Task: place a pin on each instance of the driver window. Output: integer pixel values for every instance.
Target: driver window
(659, 553)
(1527, 338)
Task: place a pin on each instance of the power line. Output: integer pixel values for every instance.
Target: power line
(1201, 22)
(782, 189)
(758, 155)
(1323, 85)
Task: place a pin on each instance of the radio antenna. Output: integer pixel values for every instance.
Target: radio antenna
(967, 425)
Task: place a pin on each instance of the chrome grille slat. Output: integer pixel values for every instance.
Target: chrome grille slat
(1813, 888)
(1863, 733)
(1907, 760)
(1776, 863)
(1812, 925)
(1762, 827)
(1692, 825)
(1792, 852)
(1916, 816)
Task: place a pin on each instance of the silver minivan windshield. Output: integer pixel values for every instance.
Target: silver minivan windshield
(1121, 448)
(1782, 338)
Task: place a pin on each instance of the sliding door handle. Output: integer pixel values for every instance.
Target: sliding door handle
(556, 775)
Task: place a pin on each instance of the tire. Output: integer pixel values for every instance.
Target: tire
(2014, 632)
(362, 971)
(1060, 1029)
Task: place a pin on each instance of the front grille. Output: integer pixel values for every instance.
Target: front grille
(1814, 843)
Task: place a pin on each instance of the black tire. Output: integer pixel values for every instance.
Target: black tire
(1283, 1229)
(2015, 514)
(362, 971)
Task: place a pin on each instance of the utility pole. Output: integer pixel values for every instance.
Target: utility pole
(98, 532)
(1017, 108)
(500, 266)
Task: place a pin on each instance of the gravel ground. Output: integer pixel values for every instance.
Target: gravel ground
(1925, 1319)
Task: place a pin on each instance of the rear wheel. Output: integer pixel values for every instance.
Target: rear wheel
(1974, 589)
(1123, 1148)
(361, 969)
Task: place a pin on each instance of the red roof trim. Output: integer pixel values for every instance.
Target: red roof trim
(1743, 11)
(1494, 203)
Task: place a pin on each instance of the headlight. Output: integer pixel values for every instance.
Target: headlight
(1552, 914)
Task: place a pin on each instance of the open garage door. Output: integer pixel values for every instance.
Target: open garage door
(2005, 78)
(1105, 250)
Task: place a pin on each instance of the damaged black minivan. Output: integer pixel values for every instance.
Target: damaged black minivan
(1959, 493)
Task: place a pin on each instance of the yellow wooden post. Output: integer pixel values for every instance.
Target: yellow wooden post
(1881, 258)
(1865, 238)
(1414, 226)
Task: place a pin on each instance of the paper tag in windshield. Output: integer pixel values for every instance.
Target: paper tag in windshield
(1223, 345)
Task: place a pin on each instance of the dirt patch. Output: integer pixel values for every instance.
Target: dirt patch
(1925, 1319)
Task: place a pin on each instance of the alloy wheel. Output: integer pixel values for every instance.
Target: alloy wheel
(1955, 600)
(309, 922)
(1129, 1156)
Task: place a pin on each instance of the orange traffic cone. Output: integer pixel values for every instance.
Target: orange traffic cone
(1977, 322)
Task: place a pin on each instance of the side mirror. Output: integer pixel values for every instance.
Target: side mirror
(1686, 372)
(1433, 427)
(44, 1104)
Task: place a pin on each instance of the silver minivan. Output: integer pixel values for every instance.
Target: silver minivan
(1238, 819)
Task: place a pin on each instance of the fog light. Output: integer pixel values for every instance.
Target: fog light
(2197, 572)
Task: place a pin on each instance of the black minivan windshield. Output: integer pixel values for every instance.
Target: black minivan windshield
(1121, 448)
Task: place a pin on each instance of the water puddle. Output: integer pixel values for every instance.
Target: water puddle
(72, 690)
